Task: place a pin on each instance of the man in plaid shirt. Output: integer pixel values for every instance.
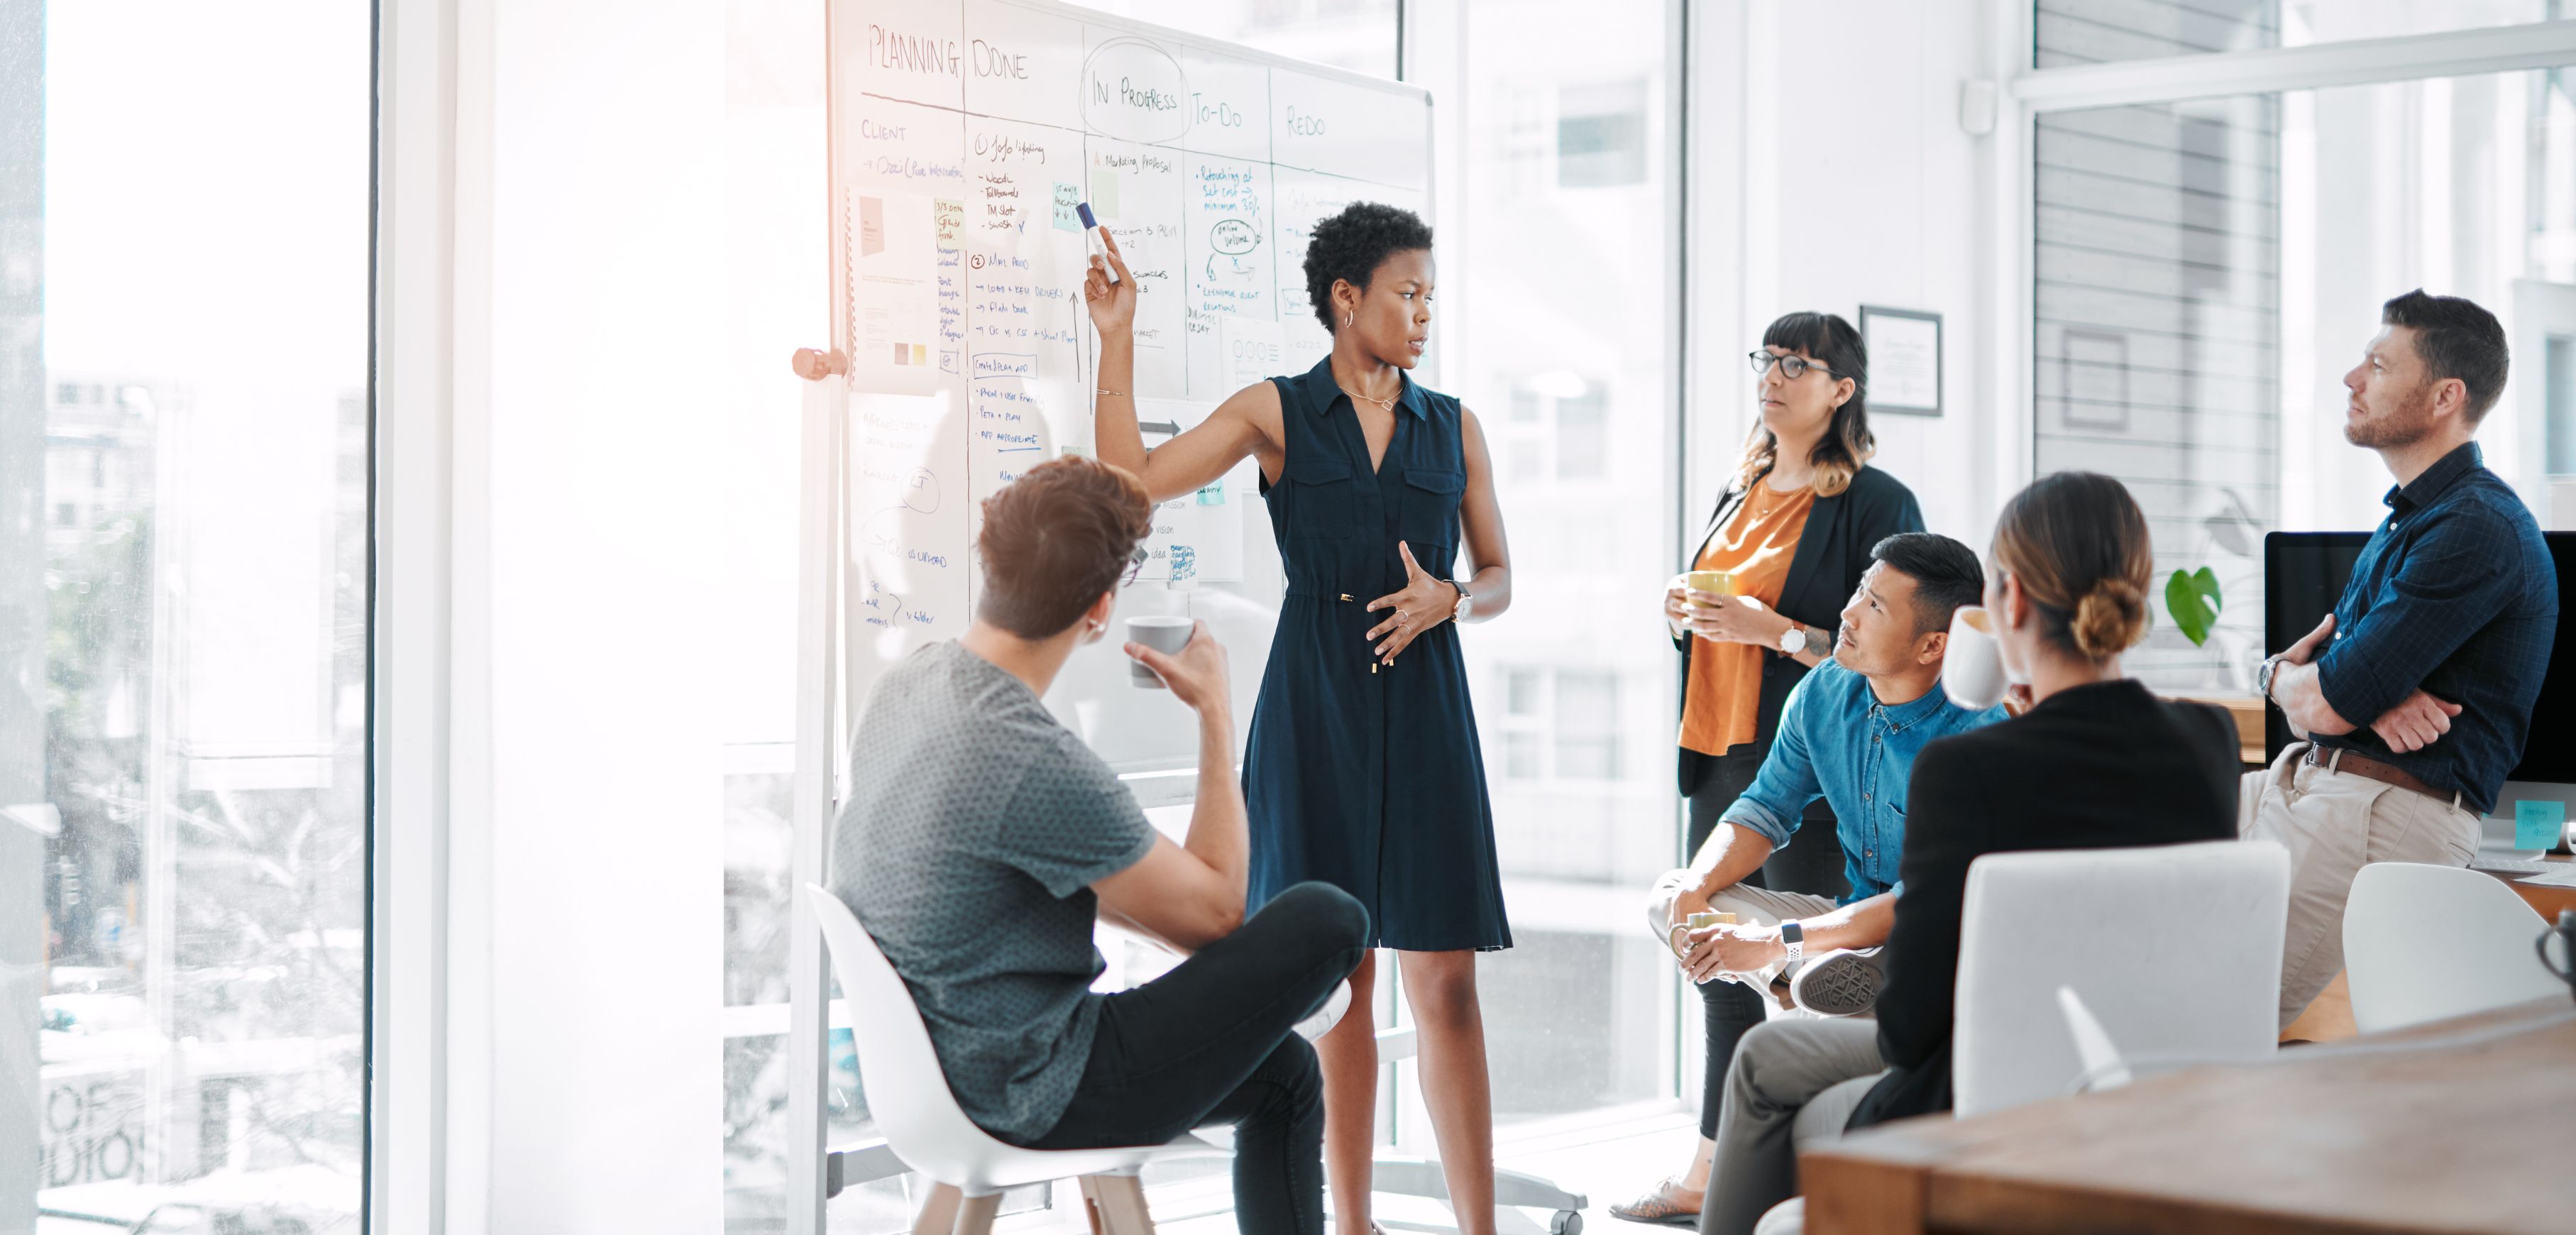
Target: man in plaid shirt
(2415, 694)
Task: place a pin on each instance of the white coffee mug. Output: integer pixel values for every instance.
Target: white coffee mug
(1167, 635)
(1972, 670)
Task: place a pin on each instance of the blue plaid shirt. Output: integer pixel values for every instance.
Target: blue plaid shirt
(1838, 742)
(2455, 594)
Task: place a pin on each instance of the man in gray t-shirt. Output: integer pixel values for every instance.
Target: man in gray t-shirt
(975, 828)
(982, 841)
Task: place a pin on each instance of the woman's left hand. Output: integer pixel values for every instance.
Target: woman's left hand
(1424, 603)
(1735, 619)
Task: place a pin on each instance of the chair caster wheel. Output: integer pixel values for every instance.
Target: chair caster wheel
(1566, 1222)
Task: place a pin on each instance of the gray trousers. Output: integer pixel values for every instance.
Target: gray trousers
(1793, 1082)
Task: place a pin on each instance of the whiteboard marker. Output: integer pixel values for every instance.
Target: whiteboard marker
(1091, 239)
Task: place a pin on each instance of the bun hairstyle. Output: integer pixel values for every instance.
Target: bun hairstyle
(2078, 544)
(1847, 444)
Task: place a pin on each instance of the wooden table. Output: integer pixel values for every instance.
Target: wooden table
(2547, 898)
(2471, 1129)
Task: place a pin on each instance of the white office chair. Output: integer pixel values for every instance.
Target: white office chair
(2423, 943)
(2176, 948)
(922, 1124)
(2179, 944)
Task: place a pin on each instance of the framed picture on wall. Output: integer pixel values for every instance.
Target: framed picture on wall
(1904, 360)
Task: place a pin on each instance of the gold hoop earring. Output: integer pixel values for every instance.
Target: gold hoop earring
(1346, 321)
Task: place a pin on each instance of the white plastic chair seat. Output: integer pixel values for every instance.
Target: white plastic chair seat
(2175, 948)
(2426, 943)
(909, 1095)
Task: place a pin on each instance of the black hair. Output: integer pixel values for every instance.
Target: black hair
(1847, 444)
(2455, 338)
(1350, 246)
(1946, 575)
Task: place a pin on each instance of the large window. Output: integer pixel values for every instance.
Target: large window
(183, 396)
(2207, 270)
(1554, 314)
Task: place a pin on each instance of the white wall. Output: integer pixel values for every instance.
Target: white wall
(1853, 184)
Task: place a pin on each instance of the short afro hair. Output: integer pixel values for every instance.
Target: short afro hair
(1350, 246)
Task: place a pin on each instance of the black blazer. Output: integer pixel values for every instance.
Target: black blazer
(1832, 552)
(2095, 767)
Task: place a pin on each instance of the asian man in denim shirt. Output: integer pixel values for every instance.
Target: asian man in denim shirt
(1848, 734)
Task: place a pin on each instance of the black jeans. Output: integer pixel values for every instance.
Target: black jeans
(1812, 861)
(1212, 1042)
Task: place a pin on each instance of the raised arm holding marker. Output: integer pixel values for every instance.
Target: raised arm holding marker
(1091, 238)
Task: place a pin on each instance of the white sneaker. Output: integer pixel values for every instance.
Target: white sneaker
(1838, 983)
(1329, 1015)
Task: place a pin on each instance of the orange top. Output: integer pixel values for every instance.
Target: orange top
(1722, 701)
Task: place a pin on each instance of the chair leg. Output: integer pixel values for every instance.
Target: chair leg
(1117, 1205)
(975, 1214)
(938, 1211)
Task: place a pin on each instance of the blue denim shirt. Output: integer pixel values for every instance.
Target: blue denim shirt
(1836, 741)
(2455, 594)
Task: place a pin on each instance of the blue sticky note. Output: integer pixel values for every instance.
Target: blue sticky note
(1069, 207)
(2536, 824)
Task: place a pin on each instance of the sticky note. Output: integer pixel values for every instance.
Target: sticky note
(2536, 825)
(1214, 493)
(1068, 200)
(1104, 194)
(872, 237)
(950, 220)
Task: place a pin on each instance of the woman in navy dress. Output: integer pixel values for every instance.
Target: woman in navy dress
(1362, 768)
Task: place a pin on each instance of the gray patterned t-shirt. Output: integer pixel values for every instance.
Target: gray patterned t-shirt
(974, 827)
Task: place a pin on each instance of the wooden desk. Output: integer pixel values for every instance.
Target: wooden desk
(2548, 899)
(2463, 1136)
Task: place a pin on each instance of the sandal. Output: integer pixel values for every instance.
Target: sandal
(1669, 1204)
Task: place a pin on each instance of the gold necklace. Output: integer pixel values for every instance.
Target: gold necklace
(1386, 404)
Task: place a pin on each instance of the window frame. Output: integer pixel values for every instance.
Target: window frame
(2025, 94)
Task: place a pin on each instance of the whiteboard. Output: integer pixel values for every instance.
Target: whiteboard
(963, 133)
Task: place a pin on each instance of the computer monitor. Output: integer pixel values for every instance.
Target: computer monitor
(2304, 574)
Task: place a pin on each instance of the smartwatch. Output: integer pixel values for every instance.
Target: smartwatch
(1465, 602)
(1794, 938)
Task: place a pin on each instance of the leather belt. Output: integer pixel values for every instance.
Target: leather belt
(2386, 774)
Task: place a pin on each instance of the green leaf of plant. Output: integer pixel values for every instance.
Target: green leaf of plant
(2192, 598)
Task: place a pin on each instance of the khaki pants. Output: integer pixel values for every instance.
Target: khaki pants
(1756, 906)
(2334, 823)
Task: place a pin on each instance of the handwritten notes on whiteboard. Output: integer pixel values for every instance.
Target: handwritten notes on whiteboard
(965, 133)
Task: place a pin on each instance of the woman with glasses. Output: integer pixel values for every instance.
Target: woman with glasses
(1362, 769)
(1792, 535)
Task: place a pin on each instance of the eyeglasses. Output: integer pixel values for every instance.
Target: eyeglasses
(1791, 367)
(1135, 563)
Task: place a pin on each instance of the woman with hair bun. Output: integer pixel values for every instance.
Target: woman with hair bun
(1362, 769)
(2094, 762)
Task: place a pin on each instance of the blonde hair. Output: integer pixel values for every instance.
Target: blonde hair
(2078, 545)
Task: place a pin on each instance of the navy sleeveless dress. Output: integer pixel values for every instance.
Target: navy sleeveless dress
(1371, 782)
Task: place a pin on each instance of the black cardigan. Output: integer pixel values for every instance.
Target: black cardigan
(1833, 550)
(2095, 767)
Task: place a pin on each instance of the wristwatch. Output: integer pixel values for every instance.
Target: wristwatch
(1794, 938)
(1803, 638)
(1465, 602)
(2263, 676)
